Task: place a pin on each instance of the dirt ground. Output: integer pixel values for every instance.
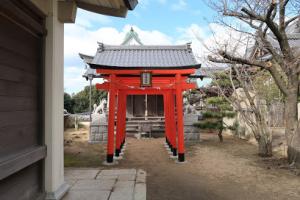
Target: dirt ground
(214, 171)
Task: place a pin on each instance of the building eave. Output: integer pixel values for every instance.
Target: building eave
(130, 4)
(97, 66)
(116, 12)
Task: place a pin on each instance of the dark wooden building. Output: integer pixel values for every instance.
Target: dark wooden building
(31, 93)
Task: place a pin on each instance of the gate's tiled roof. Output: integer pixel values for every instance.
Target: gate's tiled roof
(144, 56)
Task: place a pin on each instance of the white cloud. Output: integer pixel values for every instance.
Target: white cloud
(227, 39)
(179, 5)
(79, 39)
(208, 40)
(73, 79)
(191, 34)
(150, 37)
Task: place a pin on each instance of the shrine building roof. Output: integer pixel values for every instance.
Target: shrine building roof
(142, 57)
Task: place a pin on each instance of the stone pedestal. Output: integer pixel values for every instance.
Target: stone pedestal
(191, 133)
(98, 128)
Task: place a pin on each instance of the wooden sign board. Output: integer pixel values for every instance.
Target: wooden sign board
(146, 79)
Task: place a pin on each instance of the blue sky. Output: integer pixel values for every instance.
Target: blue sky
(156, 22)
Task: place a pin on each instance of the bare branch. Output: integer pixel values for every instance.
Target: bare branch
(238, 60)
(282, 5)
(278, 78)
(291, 20)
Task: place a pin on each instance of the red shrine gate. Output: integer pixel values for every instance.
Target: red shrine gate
(169, 83)
(140, 70)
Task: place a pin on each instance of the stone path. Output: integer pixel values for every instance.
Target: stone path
(115, 184)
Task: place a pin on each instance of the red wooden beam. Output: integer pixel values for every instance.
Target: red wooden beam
(179, 106)
(167, 118)
(111, 121)
(173, 122)
(121, 119)
(102, 86)
(154, 79)
(136, 86)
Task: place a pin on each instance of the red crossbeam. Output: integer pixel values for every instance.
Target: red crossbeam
(136, 86)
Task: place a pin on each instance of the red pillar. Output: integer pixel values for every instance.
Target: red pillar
(179, 119)
(111, 120)
(121, 122)
(167, 118)
(124, 107)
(173, 122)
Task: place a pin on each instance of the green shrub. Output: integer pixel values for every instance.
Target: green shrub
(216, 125)
(211, 114)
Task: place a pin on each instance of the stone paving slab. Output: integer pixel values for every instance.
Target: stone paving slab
(87, 195)
(127, 177)
(81, 173)
(114, 184)
(140, 191)
(110, 177)
(94, 185)
(108, 172)
(123, 190)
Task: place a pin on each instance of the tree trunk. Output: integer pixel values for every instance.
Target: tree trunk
(220, 135)
(264, 147)
(293, 151)
(292, 132)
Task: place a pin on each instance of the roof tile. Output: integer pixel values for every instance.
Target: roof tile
(144, 56)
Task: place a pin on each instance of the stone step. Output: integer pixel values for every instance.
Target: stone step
(144, 118)
(146, 123)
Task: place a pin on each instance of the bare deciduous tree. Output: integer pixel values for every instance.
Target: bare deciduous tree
(267, 22)
(248, 104)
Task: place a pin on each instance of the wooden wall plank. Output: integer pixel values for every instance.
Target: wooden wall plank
(23, 185)
(19, 76)
(13, 89)
(21, 118)
(18, 103)
(15, 60)
(15, 39)
(16, 138)
(18, 118)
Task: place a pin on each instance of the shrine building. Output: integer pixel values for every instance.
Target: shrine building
(144, 81)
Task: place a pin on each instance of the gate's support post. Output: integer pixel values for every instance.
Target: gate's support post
(173, 123)
(123, 118)
(121, 122)
(111, 120)
(170, 122)
(167, 118)
(118, 134)
(179, 119)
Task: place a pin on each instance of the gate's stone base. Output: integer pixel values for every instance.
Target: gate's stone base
(99, 127)
(191, 133)
(295, 156)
